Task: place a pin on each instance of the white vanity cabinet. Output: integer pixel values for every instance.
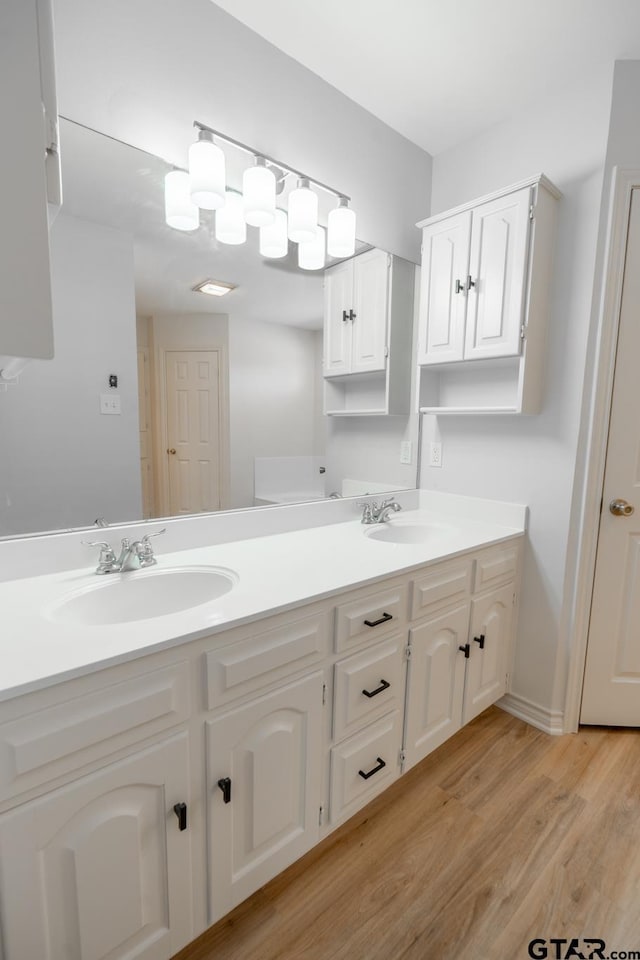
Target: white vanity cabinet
(368, 316)
(30, 175)
(486, 272)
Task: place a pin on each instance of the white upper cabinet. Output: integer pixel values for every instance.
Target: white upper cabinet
(29, 174)
(486, 273)
(368, 321)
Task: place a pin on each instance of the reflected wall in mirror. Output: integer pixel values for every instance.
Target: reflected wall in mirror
(240, 375)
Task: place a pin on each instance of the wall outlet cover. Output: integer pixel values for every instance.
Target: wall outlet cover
(405, 451)
(435, 455)
(110, 404)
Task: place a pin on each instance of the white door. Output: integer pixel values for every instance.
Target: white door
(489, 634)
(338, 322)
(270, 751)
(611, 692)
(99, 869)
(371, 309)
(435, 683)
(498, 272)
(192, 379)
(443, 285)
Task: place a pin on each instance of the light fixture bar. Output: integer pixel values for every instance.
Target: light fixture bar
(271, 160)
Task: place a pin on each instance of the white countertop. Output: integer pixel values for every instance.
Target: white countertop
(275, 573)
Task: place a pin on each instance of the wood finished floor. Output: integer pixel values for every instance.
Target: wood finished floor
(502, 835)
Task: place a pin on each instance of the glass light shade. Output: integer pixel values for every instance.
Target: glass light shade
(259, 192)
(230, 224)
(341, 231)
(311, 254)
(179, 211)
(274, 242)
(303, 213)
(207, 175)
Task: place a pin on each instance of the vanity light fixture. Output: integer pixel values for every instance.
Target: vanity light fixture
(259, 194)
(274, 239)
(341, 230)
(206, 172)
(214, 288)
(231, 226)
(204, 187)
(311, 255)
(179, 210)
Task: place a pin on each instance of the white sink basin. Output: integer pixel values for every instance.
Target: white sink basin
(406, 531)
(142, 595)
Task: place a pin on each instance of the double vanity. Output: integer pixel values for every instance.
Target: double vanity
(173, 737)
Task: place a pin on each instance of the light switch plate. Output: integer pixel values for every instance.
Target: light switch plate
(110, 404)
(405, 451)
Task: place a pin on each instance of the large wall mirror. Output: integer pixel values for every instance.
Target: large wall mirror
(90, 433)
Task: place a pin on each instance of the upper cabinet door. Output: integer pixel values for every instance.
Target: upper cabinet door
(370, 306)
(497, 276)
(338, 307)
(443, 301)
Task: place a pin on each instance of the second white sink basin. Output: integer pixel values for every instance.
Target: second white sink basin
(142, 595)
(406, 531)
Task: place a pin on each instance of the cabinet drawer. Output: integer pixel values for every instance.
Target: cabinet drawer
(368, 685)
(446, 583)
(364, 765)
(50, 743)
(256, 662)
(496, 566)
(370, 616)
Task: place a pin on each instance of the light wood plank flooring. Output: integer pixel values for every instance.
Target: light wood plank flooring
(502, 835)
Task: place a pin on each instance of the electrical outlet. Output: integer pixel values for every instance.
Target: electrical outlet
(435, 455)
(405, 451)
(110, 404)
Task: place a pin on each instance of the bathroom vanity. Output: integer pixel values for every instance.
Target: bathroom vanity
(156, 770)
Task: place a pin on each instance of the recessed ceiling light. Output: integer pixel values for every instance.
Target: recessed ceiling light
(214, 288)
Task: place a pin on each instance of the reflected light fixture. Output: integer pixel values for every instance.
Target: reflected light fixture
(274, 240)
(179, 210)
(206, 172)
(303, 213)
(311, 255)
(230, 223)
(259, 194)
(214, 288)
(341, 230)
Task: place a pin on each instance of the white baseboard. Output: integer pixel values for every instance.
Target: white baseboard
(550, 721)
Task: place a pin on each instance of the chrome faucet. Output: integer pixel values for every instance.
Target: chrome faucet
(134, 555)
(374, 512)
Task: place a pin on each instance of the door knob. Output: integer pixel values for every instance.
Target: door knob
(620, 508)
(172, 450)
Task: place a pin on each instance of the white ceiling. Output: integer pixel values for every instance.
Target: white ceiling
(440, 71)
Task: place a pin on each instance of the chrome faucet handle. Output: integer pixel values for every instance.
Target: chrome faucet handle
(107, 558)
(144, 549)
(148, 536)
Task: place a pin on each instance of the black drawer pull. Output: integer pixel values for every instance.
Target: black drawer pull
(380, 765)
(180, 810)
(466, 650)
(479, 640)
(383, 619)
(345, 316)
(384, 685)
(225, 786)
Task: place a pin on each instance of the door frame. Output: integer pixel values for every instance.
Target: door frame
(160, 417)
(594, 432)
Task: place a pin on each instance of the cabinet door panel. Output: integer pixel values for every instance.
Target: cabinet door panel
(487, 667)
(435, 683)
(498, 269)
(371, 295)
(102, 868)
(338, 297)
(445, 260)
(271, 751)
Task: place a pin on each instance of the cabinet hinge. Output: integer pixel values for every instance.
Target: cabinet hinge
(407, 652)
(320, 816)
(402, 757)
(515, 598)
(531, 216)
(324, 696)
(522, 333)
(386, 351)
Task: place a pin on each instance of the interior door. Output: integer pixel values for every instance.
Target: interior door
(144, 418)
(192, 379)
(611, 692)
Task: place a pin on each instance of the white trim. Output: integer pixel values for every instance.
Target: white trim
(540, 179)
(549, 721)
(593, 444)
